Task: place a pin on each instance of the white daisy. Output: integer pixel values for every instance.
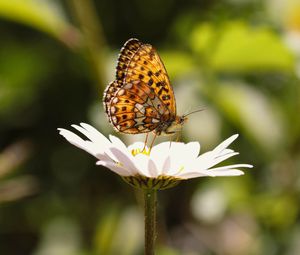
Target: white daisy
(162, 167)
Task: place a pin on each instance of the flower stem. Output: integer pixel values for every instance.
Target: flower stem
(150, 220)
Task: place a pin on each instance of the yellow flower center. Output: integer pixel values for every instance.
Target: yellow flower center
(144, 151)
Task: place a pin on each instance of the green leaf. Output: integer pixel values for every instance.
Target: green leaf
(45, 16)
(177, 63)
(238, 47)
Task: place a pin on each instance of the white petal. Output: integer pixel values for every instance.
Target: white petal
(230, 172)
(166, 166)
(113, 167)
(226, 151)
(136, 146)
(141, 162)
(159, 154)
(219, 159)
(152, 169)
(116, 142)
(180, 155)
(78, 141)
(209, 159)
(230, 167)
(193, 149)
(176, 147)
(125, 160)
(173, 159)
(72, 138)
(161, 148)
(93, 134)
(100, 143)
(190, 175)
(226, 143)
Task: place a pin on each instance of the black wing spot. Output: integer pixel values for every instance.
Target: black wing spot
(150, 82)
(158, 73)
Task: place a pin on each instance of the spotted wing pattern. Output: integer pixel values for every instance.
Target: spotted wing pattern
(141, 98)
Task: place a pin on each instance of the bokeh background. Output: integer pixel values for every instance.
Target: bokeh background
(237, 59)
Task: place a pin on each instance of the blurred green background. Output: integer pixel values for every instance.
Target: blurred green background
(238, 59)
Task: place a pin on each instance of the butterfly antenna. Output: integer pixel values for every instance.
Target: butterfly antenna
(199, 110)
(187, 111)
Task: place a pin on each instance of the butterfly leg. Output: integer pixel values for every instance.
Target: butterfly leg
(153, 141)
(170, 143)
(178, 136)
(172, 137)
(145, 143)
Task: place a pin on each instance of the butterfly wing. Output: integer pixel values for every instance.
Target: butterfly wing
(135, 109)
(141, 97)
(138, 61)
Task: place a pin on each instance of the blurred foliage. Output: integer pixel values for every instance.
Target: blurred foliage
(258, 48)
(238, 59)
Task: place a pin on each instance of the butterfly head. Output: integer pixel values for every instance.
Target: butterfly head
(176, 125)
(180, 120)
(173, 126)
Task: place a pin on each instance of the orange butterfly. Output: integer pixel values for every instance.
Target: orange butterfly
(141, 99)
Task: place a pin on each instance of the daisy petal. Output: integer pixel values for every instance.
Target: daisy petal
(230, 167)
(113, 167)
(136, 146)
(125, 160)
(194, 174)
(72, 138)
(226, 143)
(152, 169)
(92, 134)
(141, 162)
(118, 143)
(159, 154)
(169, 159)
(166, 166)
(230, 172)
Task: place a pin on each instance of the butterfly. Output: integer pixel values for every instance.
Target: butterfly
(141, 98)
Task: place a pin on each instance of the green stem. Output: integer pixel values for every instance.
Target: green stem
(150, 220)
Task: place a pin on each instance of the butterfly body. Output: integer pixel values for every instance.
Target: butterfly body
(141, 99)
